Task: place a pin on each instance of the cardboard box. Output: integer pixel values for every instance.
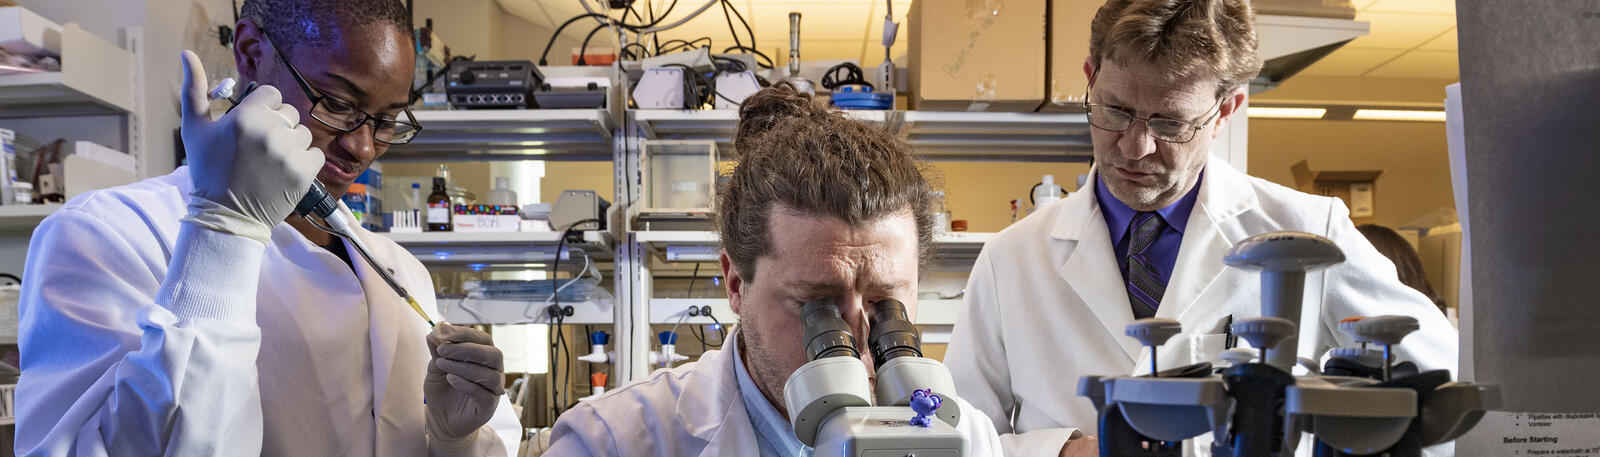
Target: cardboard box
(1358, 188)
(1068, 45)
(977, 55)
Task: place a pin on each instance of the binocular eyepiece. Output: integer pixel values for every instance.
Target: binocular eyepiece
(828, 335)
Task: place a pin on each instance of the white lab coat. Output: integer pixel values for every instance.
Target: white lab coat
(1046, 303)
(105, 371)
(694, 409)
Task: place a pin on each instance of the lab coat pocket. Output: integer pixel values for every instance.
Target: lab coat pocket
(1207, 348)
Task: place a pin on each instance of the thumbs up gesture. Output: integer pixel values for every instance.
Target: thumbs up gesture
(251, 166)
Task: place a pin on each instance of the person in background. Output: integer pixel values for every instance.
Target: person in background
(193, 314)
(1406, 261)
(818, 207)
(1049, 297)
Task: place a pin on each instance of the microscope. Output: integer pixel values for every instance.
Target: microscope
(830, 401)
(1361, 402)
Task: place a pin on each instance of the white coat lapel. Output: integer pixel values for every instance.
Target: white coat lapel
(1225, 193)
(714, 411)
(1091, 267)
(398, 355)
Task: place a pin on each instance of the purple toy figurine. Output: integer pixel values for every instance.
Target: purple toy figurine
(924, 402)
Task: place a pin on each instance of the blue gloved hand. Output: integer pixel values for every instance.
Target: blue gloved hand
(251, 166)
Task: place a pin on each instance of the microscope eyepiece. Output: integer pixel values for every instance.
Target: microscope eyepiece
(893, 334)
(826, 333)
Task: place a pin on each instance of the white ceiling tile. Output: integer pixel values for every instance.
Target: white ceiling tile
(1446, 42)
(1420, 64)
(1401, 30)
(1348, 61)
(1414, 6)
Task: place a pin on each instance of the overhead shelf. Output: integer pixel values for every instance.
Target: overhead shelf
(938, 135)
(480, 250)
(494, 135)
(668, 311)
(94, 80)
(700, 246)
(24, 217)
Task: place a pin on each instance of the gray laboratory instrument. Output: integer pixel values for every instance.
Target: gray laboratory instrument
(831, 404)
(1360, 403)
(800, 82)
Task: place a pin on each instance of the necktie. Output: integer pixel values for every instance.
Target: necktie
(1145, 285)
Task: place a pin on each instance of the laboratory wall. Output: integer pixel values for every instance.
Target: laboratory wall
(1416, 180)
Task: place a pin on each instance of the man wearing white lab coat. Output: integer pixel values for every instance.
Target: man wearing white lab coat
(184, 315)
(1049, 297)
(818, 208)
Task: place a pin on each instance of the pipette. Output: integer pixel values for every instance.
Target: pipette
(318, 202)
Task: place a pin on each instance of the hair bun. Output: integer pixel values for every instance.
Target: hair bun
(774, 106)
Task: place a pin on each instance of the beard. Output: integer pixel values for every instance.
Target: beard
(1160, 186)
(771, 359)
(766, 367)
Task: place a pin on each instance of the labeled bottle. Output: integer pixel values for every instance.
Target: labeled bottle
(438, 217)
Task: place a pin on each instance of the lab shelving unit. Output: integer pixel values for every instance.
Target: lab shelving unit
(644, 255)
(639, 256)
(98, 79)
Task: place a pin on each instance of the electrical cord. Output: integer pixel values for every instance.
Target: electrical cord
(757, 53)
(729, 18)
(696, 88)
(852, 76)
(747, 30)
(692, 277)
(724, 65)
(644, 51)
(664, 48)
(583, 51)
(558, 316)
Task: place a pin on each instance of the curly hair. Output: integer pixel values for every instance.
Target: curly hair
(290, 23)
(796, 154)
(1188, 37)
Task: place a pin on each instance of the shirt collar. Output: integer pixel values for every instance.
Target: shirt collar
(1118, 214)
(770, 426)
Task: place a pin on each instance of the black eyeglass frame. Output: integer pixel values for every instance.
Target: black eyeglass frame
(317, 97)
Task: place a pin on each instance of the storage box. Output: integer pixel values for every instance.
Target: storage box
(680, 176)
(486, 218)
(1068, 44)
(1357, 188)
(977, 55)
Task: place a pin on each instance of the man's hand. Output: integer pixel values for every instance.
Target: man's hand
(1087, 446)
(464, 383)
(249, 167)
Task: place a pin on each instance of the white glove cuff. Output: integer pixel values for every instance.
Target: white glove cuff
(214, 216)
(212, 275)
(439, 442)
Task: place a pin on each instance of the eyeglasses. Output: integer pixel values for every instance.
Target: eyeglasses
(344, 117)
(1168, 130)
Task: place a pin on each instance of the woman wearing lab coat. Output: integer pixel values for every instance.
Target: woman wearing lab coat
(190, 314)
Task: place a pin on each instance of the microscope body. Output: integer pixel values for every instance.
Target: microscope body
(833, 408)
(1361, 403)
